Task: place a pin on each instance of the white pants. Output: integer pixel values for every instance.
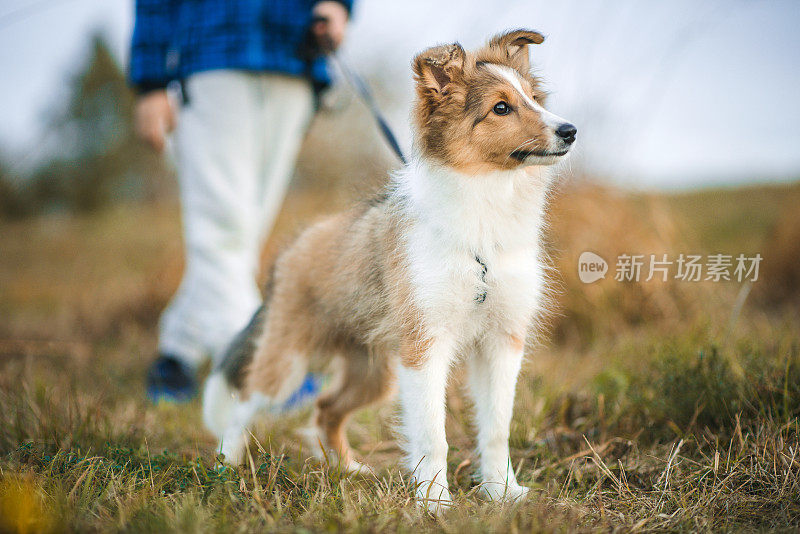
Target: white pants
(236, 143)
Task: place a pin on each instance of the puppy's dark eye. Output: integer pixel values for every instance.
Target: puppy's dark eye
(501, 108)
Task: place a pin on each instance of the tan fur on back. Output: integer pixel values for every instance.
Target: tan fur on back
(340, 287)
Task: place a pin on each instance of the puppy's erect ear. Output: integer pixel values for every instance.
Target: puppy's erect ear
(436, 68)
(515, 43)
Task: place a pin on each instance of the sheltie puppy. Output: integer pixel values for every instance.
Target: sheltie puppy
(443, 268)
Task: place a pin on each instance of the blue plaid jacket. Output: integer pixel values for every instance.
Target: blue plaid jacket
(173, 39)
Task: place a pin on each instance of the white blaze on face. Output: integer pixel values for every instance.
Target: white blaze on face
(513, 77)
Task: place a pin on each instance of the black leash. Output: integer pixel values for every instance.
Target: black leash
(362, 89)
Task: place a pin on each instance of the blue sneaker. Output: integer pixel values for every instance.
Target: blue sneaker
(307, 391)
(171, 380)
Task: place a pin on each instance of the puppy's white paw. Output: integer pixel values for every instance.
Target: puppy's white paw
(502, 492)
(232, 446)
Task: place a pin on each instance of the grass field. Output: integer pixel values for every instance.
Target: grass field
(651, 406)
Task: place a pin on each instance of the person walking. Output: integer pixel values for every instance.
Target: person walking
(248, 86)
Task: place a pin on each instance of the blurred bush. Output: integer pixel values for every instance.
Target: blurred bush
(680, 387)
(589, 217)
(92, 157)
(780, 273)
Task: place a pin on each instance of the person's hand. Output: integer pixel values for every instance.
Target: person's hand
(330, 31)
(154, 118)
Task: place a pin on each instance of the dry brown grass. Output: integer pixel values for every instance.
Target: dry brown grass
(610, 223)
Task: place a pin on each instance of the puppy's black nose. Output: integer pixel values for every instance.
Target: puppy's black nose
(567, 132)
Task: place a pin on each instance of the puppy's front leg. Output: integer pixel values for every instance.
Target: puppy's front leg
(493, 371)
(422, 380)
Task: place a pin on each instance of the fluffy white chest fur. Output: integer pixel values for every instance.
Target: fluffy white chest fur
(473, 247)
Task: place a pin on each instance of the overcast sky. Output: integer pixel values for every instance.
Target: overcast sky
(668, 94)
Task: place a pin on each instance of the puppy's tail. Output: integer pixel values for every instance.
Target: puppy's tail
(221, 393)
(239, 354)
